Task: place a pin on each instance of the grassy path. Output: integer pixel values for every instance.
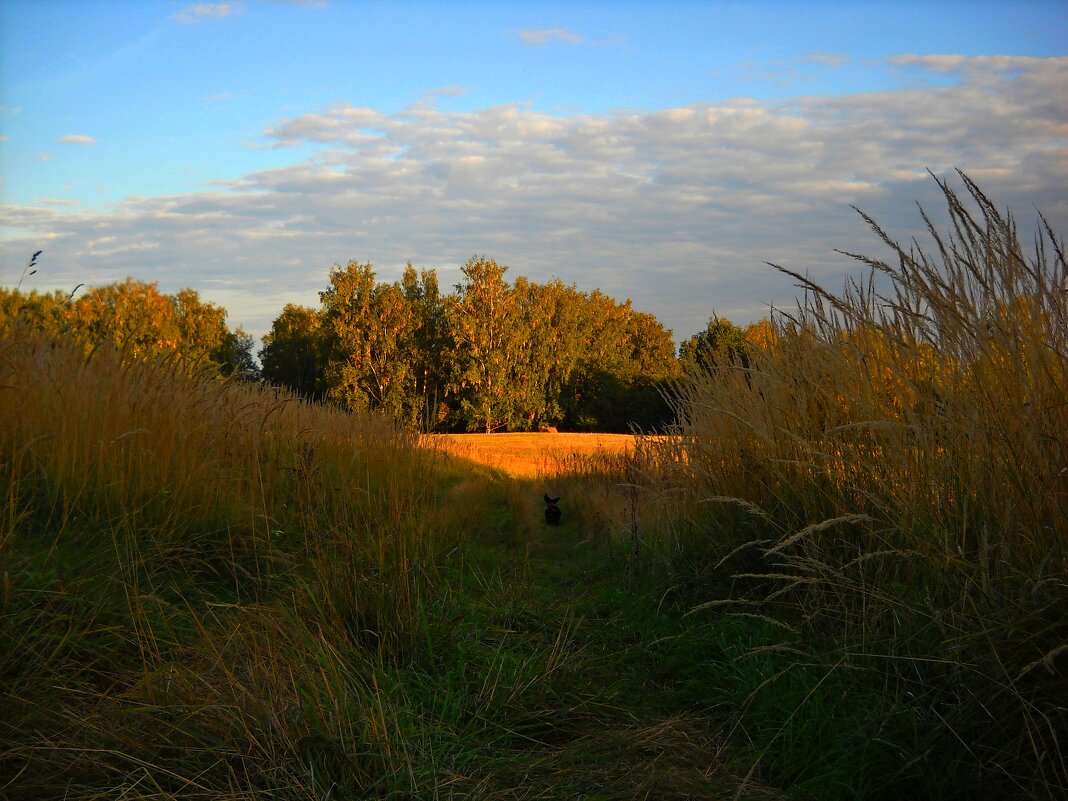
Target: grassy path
(624, 709)
(643, 699)
(213, 591)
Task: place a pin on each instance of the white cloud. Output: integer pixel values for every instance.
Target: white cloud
(546, 35)
(343, 124)
(77, 139)
(200, 11)
(957, 63)
(828, 59)
(678, 208)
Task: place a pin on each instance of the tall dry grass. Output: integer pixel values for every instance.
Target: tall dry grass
(215, 591)
(890, 475)
(202, 582)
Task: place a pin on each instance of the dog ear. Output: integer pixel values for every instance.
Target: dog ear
(547, 499)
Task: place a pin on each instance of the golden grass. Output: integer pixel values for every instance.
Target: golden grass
(529, 455)
(189, 561)
(214, 590)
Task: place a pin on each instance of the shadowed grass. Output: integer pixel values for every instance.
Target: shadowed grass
(198, 576)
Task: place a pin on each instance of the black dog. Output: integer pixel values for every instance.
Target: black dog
(552, 511)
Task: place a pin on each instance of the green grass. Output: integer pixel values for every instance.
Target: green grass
(522, 660)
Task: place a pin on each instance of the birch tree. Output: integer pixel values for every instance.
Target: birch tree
(488, 341)
(368, 331)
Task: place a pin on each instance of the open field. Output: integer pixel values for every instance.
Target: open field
(531, 454)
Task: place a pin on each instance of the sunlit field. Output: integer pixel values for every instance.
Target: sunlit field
(531, 454)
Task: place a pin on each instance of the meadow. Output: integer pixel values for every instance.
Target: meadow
(843, 576)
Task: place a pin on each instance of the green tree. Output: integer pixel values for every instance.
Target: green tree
(721, 344)
(368, 333)
(618, 382)
(551, 314)
(290, 355)
(488, 341)
(652, 349)
(238, 358)
(431, 348)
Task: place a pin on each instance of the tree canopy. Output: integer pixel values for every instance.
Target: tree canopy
(140, 321)
(490, 356)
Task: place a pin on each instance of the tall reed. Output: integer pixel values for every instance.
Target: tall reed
(890, 474)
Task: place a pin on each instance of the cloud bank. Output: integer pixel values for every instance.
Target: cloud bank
(677, 208)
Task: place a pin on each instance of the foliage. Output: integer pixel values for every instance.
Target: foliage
(721, 345)
(430, 348)
(488, 339)
(238, 357)
(620, 379)
(138, 319)
(368, 334)
(290, 353)
(492, 356)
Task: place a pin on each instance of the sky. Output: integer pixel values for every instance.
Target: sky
(663, 152)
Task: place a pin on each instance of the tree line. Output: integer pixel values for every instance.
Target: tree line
(139, 320)
(491, 355)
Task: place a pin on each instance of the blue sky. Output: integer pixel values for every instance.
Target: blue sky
(659, 151)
